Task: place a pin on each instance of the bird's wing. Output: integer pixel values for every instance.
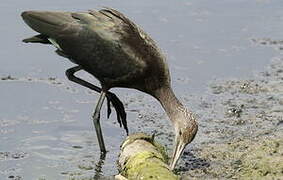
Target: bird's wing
(105, 35)
(134, 36)
(108, 23)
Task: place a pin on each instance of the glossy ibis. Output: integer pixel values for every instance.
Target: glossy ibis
(118, 53)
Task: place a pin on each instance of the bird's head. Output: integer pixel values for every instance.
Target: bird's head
(183, 120)
(186, 129)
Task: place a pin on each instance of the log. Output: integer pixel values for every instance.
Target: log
(142, 158)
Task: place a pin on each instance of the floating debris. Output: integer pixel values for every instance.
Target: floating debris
(9, 77)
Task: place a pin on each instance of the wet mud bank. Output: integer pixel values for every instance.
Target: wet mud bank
(241, 128)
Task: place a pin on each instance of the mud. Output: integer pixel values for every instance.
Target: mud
(241, 128)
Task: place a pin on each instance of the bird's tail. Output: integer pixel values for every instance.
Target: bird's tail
(37, 39)
(45, 22)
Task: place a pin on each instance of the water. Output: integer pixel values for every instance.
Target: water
(45, 120)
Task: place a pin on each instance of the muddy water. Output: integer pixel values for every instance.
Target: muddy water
(216, 51)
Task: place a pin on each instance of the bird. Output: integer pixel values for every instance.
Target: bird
(117, 52)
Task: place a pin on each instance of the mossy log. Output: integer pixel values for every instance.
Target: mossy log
(142, 158)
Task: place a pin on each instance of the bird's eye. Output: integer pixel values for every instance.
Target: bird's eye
(180, 133)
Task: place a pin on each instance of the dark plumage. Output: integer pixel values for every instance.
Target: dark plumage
(118, 53)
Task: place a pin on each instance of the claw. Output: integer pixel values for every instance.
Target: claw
(118, 111)
(108, 108)
(123, 115)
(119, 108)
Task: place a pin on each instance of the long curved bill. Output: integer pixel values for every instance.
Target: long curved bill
(178, 151)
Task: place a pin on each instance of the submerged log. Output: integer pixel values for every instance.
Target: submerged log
(142, 158)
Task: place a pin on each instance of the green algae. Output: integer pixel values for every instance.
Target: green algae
(142, 136)
(147, 164)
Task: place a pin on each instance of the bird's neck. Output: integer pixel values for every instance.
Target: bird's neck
(169, 102)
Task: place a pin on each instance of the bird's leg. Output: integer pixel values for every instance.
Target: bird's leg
(96, 118)
(70, 75)
(111, 97)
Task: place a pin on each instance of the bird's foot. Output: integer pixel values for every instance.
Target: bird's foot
(119, 108)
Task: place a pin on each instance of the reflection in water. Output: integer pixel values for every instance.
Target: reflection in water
(98, 166)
